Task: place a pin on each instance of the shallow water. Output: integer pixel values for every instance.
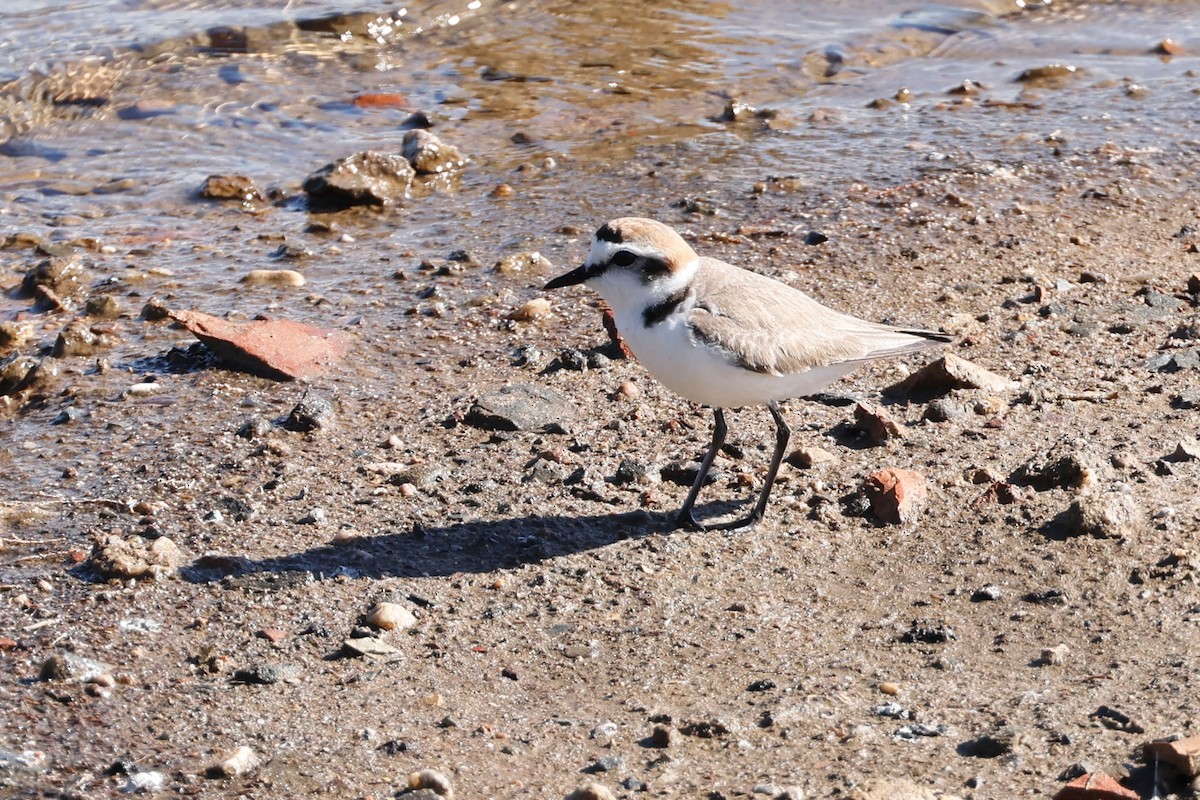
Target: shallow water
(114, 112)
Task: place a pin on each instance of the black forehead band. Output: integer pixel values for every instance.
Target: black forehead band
(607, 233)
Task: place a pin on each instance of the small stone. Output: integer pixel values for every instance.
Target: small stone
(367, 178)
(147, 781)
(534, 309)
(115, 557)
(1183, 754)
(986, 592)
(591, 791)
(887, 687)
(313, 412)
(274, 277)
(1105, 515)
(230, 187)
(522, 407)
(1069, 463)
(876, 423)
(945, 409)
(429, 155)
(521, 264)
(433, 780)
(239, 762)
(896, 495)
(928, 631)
(946, 374)
(72, 668)
(1168, 47)
(314, 517)
(809, 457)
(629, 390)
(1054, 656)
(145, 389)
(368, 646)
(103, 306)
(390, 617)
(605, 730)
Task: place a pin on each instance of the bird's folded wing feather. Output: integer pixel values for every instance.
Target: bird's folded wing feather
(776, 329)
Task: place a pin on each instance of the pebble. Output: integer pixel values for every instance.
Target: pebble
(1069, 463)
(809, 457)
(534, 309)
(274, 277)
(72, 668)
(148, 781)
(522, 407)
(313, 412)
(146, 389)
(390, 617)
(876, 423)
(314, 517)
(429, 155)
(1105, 515)
(662, 736)
(433, 780)
(29, 762)
(887, 687)
(946, 374)
(1054, 656)
(1183, 754)
(986, 592)
(519, 264)
(629, 390)
(1185, 450)
(366, 178)
(239, 762)
(368, 646)
(945, 409)
(115, 557)
(591, 791)
(605, 730)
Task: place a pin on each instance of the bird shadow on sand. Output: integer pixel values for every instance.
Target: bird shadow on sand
(461, 547)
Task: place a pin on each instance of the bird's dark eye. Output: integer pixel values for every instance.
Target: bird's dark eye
(624, 258)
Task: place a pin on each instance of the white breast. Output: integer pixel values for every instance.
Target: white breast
(706, 375)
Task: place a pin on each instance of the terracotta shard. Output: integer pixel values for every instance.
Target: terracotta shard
(896, 494)
(1095, 786)
(274, 348)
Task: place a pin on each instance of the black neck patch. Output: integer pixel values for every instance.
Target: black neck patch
(609, 234)
(664, 308)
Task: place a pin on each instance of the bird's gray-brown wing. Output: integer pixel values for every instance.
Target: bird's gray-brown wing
(767, 326)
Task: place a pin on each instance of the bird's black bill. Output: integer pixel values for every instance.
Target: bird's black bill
(577, 275)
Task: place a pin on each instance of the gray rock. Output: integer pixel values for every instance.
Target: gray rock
(946, 374)
(1070, 463)
(945, 409)
(367, 178)
(1105, 515)
(230, 187)
(313, 412)
(522, 407)
(72, 667)
(429, 155)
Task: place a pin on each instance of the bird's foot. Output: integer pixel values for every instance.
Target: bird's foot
(686, 519)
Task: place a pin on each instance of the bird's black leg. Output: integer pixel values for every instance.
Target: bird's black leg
(782, 435)
(685, 518)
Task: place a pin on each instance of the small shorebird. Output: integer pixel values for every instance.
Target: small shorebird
(726, 337)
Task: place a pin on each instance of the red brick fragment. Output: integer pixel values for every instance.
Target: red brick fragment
(1095, 786)
(274, 348)
(896, 494)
